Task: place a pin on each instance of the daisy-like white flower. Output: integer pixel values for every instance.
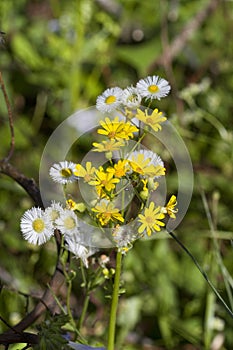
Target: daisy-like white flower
(36, 226)
(124, 236)
(53, 212)
(72, 243)
(131, 97)
(153, 87)
(63, 172)
(151, 219)
(110, 100)
(67, 223)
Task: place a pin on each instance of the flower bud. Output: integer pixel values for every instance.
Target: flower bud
(81, 207)
(152, 185)
(108, 155)
(144, 194)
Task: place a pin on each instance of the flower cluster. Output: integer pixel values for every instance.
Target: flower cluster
(130, 170)
(149, 88)
(38, 227)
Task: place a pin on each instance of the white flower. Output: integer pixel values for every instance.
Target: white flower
(123, 236)
(36, 227)
(67, 223)
(73, 244)
(110, 100)
(54, 211)
(153, 87)
(131, 97)
(63, 172)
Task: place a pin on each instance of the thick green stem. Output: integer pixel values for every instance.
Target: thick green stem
(115, 297)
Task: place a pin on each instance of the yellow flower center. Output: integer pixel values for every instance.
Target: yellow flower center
(149, 120)
(108, 146)
(87, 178)
(38, 225)
(132, 97)
(110, 99)
(120, 172)
(107, 215)
(153, 88)
(54, 215)
(66, 172)
(149, 220)
(112, 135)
(104, 182)
(69, 223)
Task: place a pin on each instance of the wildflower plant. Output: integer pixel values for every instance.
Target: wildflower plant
(114, 197)
(117, 202)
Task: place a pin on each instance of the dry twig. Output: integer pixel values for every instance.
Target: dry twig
(15, 334)
(177, 45)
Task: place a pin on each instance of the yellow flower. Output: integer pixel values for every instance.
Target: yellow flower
(152, 120)
(120, 168)
(142, 166)
(108, 146)
(72, 205)
(112, 129)
(104, 180)
(170, 207)
(151, 219)
(129, 129)
(115, 129)
(107, 212)
(88, 174)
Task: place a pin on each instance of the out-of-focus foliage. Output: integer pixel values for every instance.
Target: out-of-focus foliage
(57, 57)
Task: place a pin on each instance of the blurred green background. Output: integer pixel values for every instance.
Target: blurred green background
(58, 56)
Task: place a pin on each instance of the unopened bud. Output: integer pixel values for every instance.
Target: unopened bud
(81, 207)
(108, 155)
(144, 194)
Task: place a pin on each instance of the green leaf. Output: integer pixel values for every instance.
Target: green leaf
(25, 51)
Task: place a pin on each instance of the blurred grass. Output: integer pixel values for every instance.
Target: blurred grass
(58, 57)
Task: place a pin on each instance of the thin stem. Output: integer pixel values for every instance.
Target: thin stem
(69, 278)
(84, 310)
(114, 305)
(10, 116)
(56, 299)
(87, 296)
(69, 289)
(202, 272)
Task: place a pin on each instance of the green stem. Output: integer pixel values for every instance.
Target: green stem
(84, 311)
(114, 305)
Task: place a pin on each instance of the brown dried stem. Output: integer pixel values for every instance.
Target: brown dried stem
(178, 43)
(47, 302)
(29, 185)
(15, 334)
